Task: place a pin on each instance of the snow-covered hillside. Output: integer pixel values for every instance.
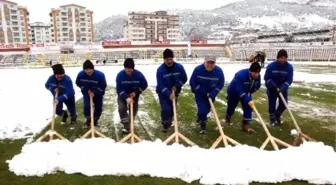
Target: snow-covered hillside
(265, 15)
(110, 28)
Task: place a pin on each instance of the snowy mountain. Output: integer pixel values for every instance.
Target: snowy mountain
(110, 28)
(243, 16)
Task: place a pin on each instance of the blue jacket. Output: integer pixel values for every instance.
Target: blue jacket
(203, 82)
(242, 85)
(128, 84)
(65, 87)
(96, 83)
(278, 76)
(169, 77)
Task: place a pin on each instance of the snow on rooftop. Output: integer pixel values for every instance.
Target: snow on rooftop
(295, 1)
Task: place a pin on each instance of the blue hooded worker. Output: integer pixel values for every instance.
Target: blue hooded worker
(62, 83)
(130, 84)
(92, 83)
(243, 85)
(278, 78)
(206, 81)
(169, 76)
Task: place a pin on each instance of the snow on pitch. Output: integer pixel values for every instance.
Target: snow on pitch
(312, 162)
(26, 106)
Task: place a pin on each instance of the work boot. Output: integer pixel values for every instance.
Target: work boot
(272, 124)
(87, 124)
(228, 120)
(198, 123)
(278, 118)
(73, 123)
(125, 131)
(95, 122)
(64, 117)
(247, 129)
(203, 128)
(165, 128)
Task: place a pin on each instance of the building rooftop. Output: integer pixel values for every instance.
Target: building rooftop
(10, 2)
(36, 24)
(72, 5)
(160, 12)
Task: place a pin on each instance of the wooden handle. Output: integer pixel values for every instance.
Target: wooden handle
(175, 117)
(54, 113)
(218, 122)
(91, 116)
(290, 112)
(262, 121)
(131, 120)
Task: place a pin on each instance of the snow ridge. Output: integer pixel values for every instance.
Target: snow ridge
(185, 163)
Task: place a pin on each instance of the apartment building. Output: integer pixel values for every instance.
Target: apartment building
(152, 26)
(71, 24)
(14, 23)
(40, 33)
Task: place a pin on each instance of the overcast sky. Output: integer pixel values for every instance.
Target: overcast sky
(40, 9)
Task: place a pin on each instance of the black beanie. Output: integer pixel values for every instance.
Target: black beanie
(168, 53)
(255, 67)
(58, 69)
(129, 63)
(88, 65)
(282, 53)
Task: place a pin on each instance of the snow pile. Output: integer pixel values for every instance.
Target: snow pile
(26, 106)
(229, 165)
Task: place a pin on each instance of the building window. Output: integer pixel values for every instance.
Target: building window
(17, 40)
